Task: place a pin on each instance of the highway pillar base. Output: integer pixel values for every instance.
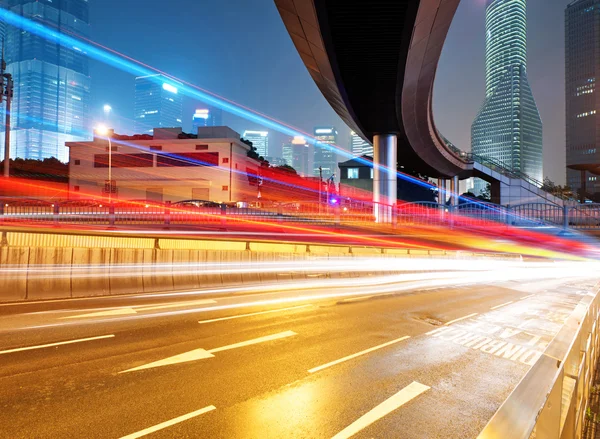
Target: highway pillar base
(385, 165)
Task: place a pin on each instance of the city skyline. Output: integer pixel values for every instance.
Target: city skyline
(460, 72)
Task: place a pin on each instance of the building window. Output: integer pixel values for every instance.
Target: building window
(201, 147)
(372, 174)
(352, 173)
(188, 159)
(225, 188)
(155, 148)
(75, 188)
(226, 160)
(77, 162)
(124, 161)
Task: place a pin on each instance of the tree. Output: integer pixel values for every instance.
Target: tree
(286, 168)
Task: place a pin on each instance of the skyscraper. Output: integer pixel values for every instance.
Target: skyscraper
(52, 83)
(260, 140)
(158, 104)
(207, 117)
(359, 146)
(325, 158)
(582, 71)
(295, 154)
(508, 127)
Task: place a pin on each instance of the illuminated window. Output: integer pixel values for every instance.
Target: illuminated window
(352, 173)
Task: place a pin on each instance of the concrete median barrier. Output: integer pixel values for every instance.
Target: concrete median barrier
(90, 272)
(13, 285)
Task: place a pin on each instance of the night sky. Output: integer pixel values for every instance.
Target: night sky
(241, 50)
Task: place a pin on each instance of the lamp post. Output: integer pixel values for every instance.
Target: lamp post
(103, 131)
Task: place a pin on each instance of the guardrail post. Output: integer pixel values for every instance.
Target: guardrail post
(111, 215)
(565, 217)
(337, 214)
(279, 213)
(223, 216)
(55, 213)
(394, 216)
(167, 213)
(507, 215)
(2, 207)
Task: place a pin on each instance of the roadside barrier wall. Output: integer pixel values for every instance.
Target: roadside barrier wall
(41, 266)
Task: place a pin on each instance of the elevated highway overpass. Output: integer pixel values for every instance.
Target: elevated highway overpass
(375, 63)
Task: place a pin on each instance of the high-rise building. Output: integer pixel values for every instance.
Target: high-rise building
(158, 104)
(508, 127)
(207, 117)
(52, 83)
(359, 146)
(260, 140)
(325, 158)
(295, 154)
(582, 71)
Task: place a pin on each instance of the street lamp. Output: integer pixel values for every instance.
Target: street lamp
(103, 131)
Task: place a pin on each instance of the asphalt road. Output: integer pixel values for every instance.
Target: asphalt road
(404, 359)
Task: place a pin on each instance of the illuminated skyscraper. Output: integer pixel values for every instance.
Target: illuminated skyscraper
(359, 146)
(508, 127)
(158, 104)
(325, 158)
(295, 154)
(582, 72)
(207, 117)
(260, 140)
(52, 83)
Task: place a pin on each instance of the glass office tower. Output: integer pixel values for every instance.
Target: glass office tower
(359, 146)
(260, 140)
(52, 83)
(158, 104)
(324, 157)
(582, 70)
(508, 127)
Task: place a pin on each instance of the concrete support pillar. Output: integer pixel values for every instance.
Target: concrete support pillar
(385, 165)
(583, 187)
(454, 189)
(442, 191)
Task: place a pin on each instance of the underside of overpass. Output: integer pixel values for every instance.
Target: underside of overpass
(375, 63)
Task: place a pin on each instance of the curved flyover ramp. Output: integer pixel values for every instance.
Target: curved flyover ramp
(375, 62)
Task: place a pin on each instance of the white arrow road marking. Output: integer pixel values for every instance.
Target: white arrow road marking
(135, 310)
(253, 314)
(166, 424)
(254, 341)
(60, 343)
(201, 354)
(358, 354)
(385, 408)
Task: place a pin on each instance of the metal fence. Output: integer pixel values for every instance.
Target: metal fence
(472, 214)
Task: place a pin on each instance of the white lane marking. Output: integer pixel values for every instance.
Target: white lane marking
(166, 424)
(60, 343)
(527, 297)
(254, 341)
(385, 408)
(201, 354)
(176, 305)
(500, 306)
(253, 314)
(461, 318)
(132, 311)
(108, 313)
(358, 354)
(195, 355)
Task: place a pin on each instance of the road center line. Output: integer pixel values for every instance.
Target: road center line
(500, 306)
(358, 354)
(385, 408)
(254, 341)
(461, 318)
(253, 314)
(60, 343)
(169, 423)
